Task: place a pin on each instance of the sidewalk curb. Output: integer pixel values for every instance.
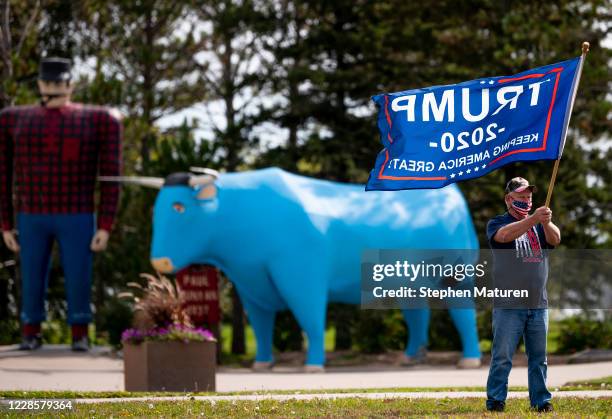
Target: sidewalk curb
(334, 396)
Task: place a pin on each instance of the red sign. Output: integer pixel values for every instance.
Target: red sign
(198, 285)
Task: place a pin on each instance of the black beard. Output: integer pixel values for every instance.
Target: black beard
(44, 99)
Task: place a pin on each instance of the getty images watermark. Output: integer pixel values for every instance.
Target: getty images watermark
(467, 278)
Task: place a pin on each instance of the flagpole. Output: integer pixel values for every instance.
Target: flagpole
(551, 185)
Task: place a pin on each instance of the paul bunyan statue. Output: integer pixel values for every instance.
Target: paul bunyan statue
(50, 155)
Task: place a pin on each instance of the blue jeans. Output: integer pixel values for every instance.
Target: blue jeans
(508, 327)
(37, 232)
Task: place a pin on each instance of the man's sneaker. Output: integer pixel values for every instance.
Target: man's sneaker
(80, 344)
(30, 343)
(496, 406)
(546, 407)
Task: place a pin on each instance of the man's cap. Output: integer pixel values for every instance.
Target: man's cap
(518, 184)
(55, 69)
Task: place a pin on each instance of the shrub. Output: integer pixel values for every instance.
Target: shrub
(578, 333)
(173, 332)
(159, 314)
(114, 317)
(287, 332)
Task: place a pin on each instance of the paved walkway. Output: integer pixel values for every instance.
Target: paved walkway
(333, 396)
(55, 367)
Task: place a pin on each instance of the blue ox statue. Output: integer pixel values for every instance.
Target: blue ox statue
(293, 242)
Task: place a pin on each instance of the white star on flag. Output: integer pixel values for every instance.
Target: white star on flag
(452, 175)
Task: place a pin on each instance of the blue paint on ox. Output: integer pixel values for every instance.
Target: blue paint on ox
(292, 242)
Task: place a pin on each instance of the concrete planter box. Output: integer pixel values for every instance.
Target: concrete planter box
(170, 366)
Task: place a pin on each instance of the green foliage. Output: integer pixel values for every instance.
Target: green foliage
(287, 333)
(145, 60)
(9, 331)
(177, 151)
(115, 317)
(56, 332)
(342, 317)
(232, 73)
(376, 331)
(578, 333)
(442, 332)
(468, 407)
(484, 321)
(9, 324)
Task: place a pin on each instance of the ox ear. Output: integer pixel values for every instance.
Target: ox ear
(208, 191)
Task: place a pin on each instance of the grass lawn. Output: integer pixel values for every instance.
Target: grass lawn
(354, 407)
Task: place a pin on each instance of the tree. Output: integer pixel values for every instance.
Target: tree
(147, 48)
(19, 31)
(232, 48)
(19, 27)
(288, 80)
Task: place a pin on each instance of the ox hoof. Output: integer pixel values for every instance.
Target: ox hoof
(469, 363)
(409, 361)
(313, 369)
(262, 366)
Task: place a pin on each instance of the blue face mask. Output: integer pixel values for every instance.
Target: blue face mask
(521, 207)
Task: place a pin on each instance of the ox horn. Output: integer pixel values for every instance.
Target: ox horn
(201, 180)
(205, 171)
(150, 182)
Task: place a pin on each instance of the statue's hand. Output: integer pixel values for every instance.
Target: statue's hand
(99, 241)
(11, 240)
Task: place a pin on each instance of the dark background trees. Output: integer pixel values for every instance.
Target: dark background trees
(240, 84)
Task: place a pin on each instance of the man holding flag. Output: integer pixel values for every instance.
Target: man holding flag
(526, 237)
(439, 135)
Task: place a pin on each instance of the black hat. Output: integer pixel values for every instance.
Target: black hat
(518, 184)
(54, 69)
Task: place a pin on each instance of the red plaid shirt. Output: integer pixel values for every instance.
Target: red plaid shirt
(51, 157)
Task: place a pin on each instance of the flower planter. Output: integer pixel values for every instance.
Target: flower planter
(169, 366)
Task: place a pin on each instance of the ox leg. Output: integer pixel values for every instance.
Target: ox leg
(417, 320)
(262, 322)
(465, 322)
(313, 324)
(311, 317)
(306, 296)
(304, 290)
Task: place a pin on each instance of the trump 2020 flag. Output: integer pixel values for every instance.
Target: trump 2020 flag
(444, 134)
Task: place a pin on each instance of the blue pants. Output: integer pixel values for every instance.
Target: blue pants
(508, 327)
(36, 235)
